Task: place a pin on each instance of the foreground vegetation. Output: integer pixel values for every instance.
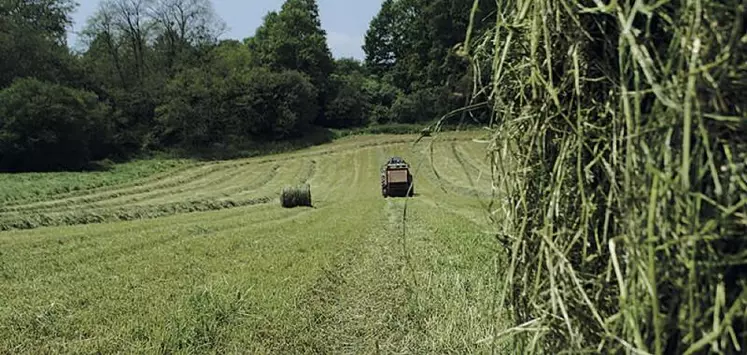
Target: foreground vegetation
(618, 155)
(348, 275)
(621, 141)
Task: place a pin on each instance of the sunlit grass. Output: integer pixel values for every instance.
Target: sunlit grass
(343, 276)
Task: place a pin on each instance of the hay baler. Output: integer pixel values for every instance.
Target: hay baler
(396, 179)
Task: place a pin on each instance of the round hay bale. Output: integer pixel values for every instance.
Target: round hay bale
(294, 196)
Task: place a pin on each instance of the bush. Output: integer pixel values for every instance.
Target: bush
(194, 110)
(349, 104)
(134, 117)
(204, 107)
(45, 127)
(421, 106)
(381, 97)
(274, 105)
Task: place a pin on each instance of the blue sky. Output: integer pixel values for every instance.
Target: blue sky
(345, 21)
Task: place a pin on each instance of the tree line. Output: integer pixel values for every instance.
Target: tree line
(155, 74)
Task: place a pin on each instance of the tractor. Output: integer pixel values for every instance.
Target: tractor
(396, 179)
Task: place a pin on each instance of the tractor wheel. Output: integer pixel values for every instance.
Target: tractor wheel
(412, 191)
(383, 192)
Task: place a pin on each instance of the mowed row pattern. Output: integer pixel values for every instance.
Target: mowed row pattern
(355, 273)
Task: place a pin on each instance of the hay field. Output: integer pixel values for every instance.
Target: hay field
(201, 258)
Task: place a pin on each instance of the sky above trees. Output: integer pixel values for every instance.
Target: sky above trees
(345, 21)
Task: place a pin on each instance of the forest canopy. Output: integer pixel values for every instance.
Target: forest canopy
(158, 74)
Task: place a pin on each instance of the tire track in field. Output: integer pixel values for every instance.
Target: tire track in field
(307, 172)
(452, 168)
(443, 180)
(359, 302)
(331, 179)
(256, 183)
(458, 210)
(334, 306)
(298, 172)
(477, 176)
(473, 172)
(472, 206)
(470, 153)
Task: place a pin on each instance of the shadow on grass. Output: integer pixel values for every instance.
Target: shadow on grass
(220, 151)
(315, 135)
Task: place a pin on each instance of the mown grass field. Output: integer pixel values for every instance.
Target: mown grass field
(200, 257)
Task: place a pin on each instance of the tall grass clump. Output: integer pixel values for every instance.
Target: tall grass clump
(619, 140)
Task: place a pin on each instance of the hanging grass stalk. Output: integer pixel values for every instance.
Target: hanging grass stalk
(620, 148)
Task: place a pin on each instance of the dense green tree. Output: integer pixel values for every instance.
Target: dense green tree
(411, 44)
(32, 39)
(230, 101)
(136, 47)
(50, 127)
(158, 69)
(349, 104)
(348, 66)
(381, 96)
(293, 39)
(234, 54)
(276, 105)
(381, 39)
(395, 43)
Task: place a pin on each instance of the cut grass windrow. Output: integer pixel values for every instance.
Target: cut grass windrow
(443, 165)
(192, 174)
(25, 188)
(191, 201)
(129, 213)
